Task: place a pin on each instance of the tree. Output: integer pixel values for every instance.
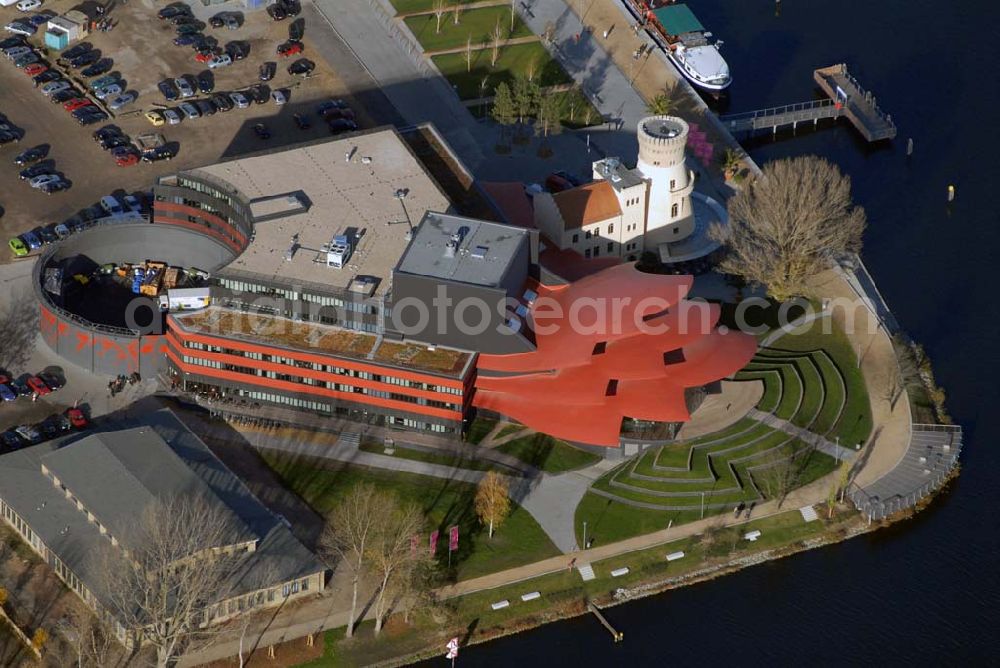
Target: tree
(550, 111)
(663, 103)
(492, 503)
(531, 69)
(513, 16)
(496, 37)
(525, 95)
(162, 589)
(468, 54)
(440, 9)
(732, 159)
(504, 111)
(785, 227)
(780, 473)
(456, 11)
(351, 527)
(391, 557)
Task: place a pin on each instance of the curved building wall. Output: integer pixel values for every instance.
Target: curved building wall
(109, 350)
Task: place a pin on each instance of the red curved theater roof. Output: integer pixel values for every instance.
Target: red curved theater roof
(619, 343)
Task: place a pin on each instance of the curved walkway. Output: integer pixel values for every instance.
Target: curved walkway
(721, 410)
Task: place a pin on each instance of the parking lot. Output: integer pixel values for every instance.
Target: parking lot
(143, 53)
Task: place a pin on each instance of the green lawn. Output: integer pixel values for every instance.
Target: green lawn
(513, 60)
(609, 521)
(444, 458)
(410, 6)
(855, 423)
(478, 429)
(445, 503)
(548, 454)
(510, 429)
(476, 23)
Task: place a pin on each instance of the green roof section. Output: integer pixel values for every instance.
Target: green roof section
(678, 19)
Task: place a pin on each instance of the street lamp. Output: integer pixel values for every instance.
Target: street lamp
(585, 534)
(703, 505)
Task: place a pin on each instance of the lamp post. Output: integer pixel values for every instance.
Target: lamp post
(703, 505)
(585, 534)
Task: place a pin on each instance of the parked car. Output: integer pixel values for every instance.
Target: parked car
(240, 100)
(168, 89)
(34, 69)
(62, 230)
(155, 117)
(185, 40)
(266, 71)
(47, 233)
(7, 137)
(40, 19)
(105, 81)
(64, 95)
(342, 125)
(38, 386)
(220, 61)
(237, 50)
(109, 91)
(259, 93)
(17, 51)
(76, 103)
(205, 55)
(106, 133)
(327, 105)
(189, 110)
(301, 67)
(172, 117)
(205, 107)
(36, 170)
(31, 155)
(10, 440)
(184, 87)
(172, 11)
(52, 381)
(190, 28)
(111, 205)
(125, 156)
(77, 50)
(32, 240)
(100, 67)
(6, 394)
(41, 180)
(29, 434)
(54, 87)
(121, 101)
(218, 20)
(206, 82)
(45, 77)
(279, 97)
(18, 247)
(222, 102)
(290, 48)
(158, 153)
(231, 22)
(301, 122)
(334, 114)
(26, 59)
(87, 58)
(55, 186)
(21, 28)
(77, 418)
(11, 42)
(28, 5)
(277, 12)
(261, 131)
(94, 115)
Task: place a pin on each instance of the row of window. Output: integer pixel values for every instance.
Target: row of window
(632, 201)
(415, 424)
(293, 295)
(596, 251)
(234, 203)
(339, 387)
(315, 366)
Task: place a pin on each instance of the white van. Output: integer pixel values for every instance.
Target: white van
(111, 205)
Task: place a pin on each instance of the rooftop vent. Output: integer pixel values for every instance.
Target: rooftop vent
(479, 252)
(339, 252)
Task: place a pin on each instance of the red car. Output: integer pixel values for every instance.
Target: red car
(204, 56)
(76, 103)
(34, 69)
(289, 48)
(37, 386)
(126, 159)
(77, 418)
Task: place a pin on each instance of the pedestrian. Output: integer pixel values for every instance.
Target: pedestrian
(572, 563)
(605, 34)
(576, 38)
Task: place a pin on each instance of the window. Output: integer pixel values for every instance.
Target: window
(587, 236)
(576, 238)
(611, 247)
(586, 253)
(673, 184)
(674, 210)
(611, 228)
(597, 251)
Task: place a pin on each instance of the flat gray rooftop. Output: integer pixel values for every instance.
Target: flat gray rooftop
(342, 196)
(618, 175)
(481, 256)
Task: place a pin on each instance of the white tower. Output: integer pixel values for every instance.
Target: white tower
(670, 216)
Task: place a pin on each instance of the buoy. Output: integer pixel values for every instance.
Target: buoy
(951, 193)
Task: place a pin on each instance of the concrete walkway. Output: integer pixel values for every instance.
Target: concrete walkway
(527, 39)
(721, 410)
(838, 452)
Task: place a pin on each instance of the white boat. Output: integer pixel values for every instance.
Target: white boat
(691, 48)
(700, 61)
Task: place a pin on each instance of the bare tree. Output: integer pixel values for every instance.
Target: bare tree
(496, 37)
(550, 111)
(392, 557)
(162, 588)
(492, 503)
(780, 473)
(468, 54)
(531, 69)
(786, 225)
(349, 532)
(440, 8)
(456, 11)
(513, 16)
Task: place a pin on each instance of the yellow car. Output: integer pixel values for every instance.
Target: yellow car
(155, 117)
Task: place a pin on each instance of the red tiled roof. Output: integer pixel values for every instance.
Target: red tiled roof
(587, 204)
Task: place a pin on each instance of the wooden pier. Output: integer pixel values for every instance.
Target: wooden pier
(618, 636)
(845, 97)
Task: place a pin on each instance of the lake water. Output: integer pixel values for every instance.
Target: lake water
(924, 592)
